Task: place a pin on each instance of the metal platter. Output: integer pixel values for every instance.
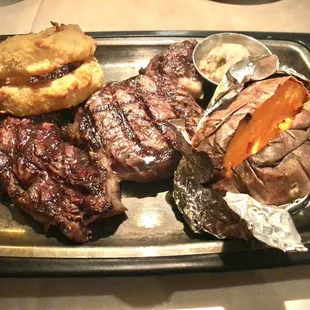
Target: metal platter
(153, 237)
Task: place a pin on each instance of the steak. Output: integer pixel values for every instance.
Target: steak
(57, 183)
(124, 124)
(174, 68)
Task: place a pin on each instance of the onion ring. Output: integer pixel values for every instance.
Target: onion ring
(65, 92)
(34, 54)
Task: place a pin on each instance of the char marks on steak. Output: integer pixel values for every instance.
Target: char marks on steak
(175, 68)
(124, 124)
(52, 180)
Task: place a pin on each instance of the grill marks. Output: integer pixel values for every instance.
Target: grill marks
(111, 125)
(134, 106)
(128, 132)
(124, 124)
(52, 180)
(129, 119)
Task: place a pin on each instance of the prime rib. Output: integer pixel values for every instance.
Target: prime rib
(57, 183)
(124, 124)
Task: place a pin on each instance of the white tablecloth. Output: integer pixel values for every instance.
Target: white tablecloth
(276, 289)
(284, 288)
(20, 16)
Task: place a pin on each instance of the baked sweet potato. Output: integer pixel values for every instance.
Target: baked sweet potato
(259, 144)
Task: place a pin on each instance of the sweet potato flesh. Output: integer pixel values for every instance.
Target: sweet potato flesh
(269, 120)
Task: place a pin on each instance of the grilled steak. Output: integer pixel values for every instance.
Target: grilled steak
(175, 68)
(124, 124)
(52, 180)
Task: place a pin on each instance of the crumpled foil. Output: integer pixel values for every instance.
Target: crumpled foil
(272, 225)
(229, 215)
(250, 69)
(225, 214)
(192, 197)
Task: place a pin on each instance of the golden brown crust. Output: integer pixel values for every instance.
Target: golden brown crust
(34, 54)
(65, 92)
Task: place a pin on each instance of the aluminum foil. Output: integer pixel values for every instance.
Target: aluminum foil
(225, 214)
(191, 197)
(230, 215)
(250, 69)
(272, 225)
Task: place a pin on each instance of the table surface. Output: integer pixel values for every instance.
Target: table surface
(110, 15)
(283, 288)
(275, 289)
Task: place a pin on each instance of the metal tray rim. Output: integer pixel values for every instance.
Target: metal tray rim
(244, 260)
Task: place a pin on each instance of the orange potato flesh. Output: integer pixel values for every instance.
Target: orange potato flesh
(270, 119)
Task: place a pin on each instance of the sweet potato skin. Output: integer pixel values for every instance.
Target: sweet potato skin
(280, 172)
(216, 133)
(277, 174)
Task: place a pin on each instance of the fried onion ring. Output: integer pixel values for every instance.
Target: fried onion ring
(34, 54)
(62, 93)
